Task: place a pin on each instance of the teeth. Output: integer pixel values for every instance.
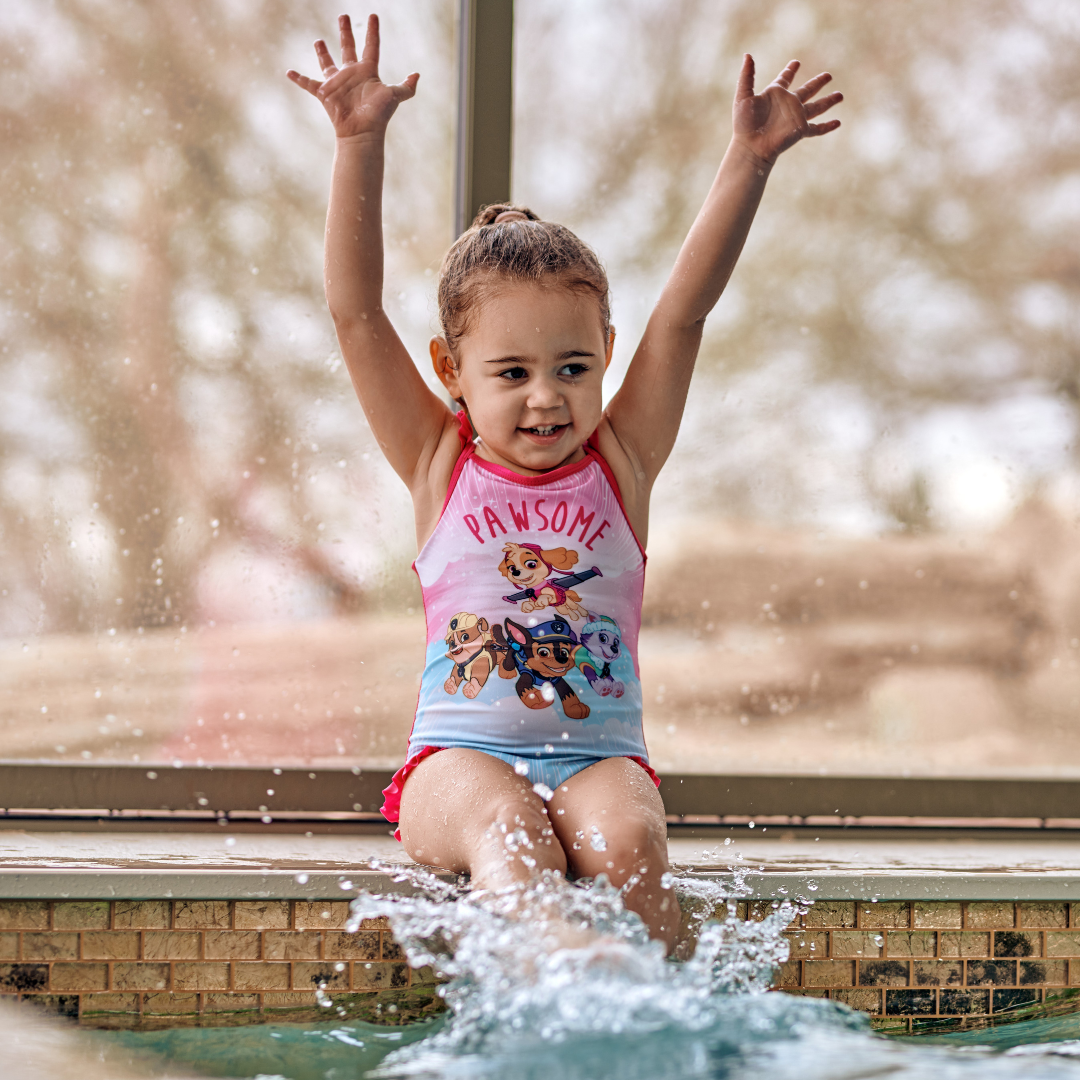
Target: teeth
(545, 430)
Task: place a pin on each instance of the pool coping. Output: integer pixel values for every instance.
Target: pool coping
(206, 884)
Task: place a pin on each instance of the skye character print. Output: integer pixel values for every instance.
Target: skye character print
(601, 642)
(529, 567)
(540, 656)
(470, 647)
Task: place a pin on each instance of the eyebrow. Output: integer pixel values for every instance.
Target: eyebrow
(569, 354)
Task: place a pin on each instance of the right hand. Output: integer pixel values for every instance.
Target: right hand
(357, 101)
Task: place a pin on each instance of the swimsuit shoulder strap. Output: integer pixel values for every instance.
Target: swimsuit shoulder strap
(468, 447)
(465, 429)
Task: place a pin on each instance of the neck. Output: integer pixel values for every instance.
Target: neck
(488, 454)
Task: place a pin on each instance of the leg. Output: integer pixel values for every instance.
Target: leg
(460, 807)
(618, 798)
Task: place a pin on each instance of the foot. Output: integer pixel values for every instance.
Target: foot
(535, 700)
(473, 687)
(575, 709)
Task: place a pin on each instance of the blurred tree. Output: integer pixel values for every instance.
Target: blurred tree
(166, 349)
(925, 254)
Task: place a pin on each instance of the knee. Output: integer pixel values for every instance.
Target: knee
(518, 831)
(634, 850)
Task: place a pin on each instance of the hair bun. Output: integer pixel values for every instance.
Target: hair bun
(498, 213)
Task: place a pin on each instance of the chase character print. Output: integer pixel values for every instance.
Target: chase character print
(540, 656)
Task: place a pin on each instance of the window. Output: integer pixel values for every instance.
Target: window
(861, 552)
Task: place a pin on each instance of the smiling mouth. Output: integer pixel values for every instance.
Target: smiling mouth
(546, 430)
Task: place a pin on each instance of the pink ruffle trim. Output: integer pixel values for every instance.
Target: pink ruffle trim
(391, 807)
(647, 767)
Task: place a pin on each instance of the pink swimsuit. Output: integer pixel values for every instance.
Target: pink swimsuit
(531, 585)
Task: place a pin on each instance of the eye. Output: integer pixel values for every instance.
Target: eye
(603, 639)
(465, 637)
(531, 564)
(514, 374)
(572, 371)
(543, 651)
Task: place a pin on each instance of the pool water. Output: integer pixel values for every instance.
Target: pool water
(561, 983)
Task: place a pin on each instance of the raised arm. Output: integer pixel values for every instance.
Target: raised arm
(407, 418)
(645, 414)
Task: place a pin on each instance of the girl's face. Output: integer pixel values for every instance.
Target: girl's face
(530, 371)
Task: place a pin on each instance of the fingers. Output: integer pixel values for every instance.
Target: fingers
(811, 87)
(310, 85)
(745, 86)
(326, 61)
(348, 42)
(785, 76)
(371, 41)
(816, 108)
(407, 87)
(822, 129)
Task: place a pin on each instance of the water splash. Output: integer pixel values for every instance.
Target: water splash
(542, 964)
(560, 980)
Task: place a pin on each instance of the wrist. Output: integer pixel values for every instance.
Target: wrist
(741, 148)
(363, 138)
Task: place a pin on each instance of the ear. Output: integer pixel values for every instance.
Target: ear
(559, 558)
(482, 625)
(610, 346)
(445, 365)
(517, 633)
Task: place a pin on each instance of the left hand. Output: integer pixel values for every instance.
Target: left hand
(769, 123)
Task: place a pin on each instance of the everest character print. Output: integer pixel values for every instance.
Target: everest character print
(532, 593)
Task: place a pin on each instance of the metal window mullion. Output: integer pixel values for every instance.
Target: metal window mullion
(485, 107)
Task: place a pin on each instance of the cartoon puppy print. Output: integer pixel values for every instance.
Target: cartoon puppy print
(540, 656)
(529, 568)
(601, 643)
(470, 647)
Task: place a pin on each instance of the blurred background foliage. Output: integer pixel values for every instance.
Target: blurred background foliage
(898, 349)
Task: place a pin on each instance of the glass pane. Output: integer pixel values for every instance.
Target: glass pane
(205, 556)
(862, 550)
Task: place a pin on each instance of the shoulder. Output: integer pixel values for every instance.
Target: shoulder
(632, 479)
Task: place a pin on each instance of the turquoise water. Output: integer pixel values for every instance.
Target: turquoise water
(769, 1036)
(559, 982)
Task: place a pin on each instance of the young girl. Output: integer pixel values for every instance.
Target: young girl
(532, 503)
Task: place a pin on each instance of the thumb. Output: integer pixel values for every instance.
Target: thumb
(745, 87)
(407, 87)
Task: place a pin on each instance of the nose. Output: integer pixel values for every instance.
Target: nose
(544, 393)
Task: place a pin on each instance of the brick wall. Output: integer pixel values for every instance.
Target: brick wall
(914, 964)
(113, 963)
(171, 962)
